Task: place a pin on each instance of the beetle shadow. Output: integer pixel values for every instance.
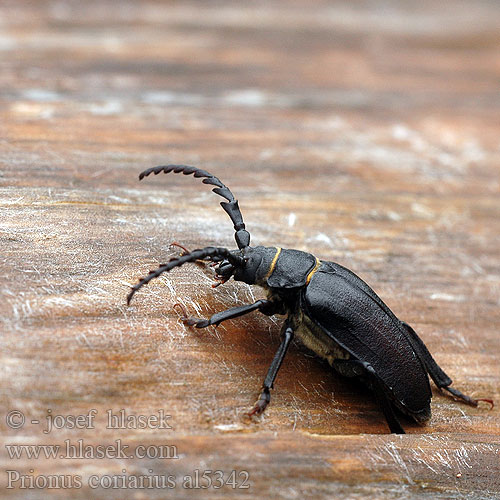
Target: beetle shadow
(308, 393)
(344, 405)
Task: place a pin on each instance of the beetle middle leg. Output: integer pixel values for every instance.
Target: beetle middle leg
(265, 396)
(435, 371)
(264, 305)
(356, 368)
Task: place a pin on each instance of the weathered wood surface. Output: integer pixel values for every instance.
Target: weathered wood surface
(367, 133)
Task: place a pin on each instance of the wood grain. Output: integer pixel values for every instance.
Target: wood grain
(366, 133)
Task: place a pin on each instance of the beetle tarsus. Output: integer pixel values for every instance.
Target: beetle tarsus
(261, 404)
(467, 399)
(196, 322)
(219, 281)
(190, 320)
(181, 307)
(489, 401)
(185, 251)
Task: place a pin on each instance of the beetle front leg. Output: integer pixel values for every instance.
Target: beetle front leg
(264, 305)
(265, 396)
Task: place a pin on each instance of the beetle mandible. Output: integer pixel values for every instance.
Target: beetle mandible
(329, 308)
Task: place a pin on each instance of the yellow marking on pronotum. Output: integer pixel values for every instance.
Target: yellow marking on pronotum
(273, 263)
(314, 269)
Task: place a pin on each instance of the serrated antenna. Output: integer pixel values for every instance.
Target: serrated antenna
(230, 206)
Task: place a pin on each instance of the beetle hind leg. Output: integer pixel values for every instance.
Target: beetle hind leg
(436, 372)
(467, 399)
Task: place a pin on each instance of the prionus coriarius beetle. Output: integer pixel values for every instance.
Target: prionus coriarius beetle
(330, 309)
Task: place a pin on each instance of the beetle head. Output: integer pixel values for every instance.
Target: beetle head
(253, 269)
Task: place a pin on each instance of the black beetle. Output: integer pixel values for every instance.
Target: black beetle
(330, 309)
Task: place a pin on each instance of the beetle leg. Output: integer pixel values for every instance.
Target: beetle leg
(385, 403)
(217, 318)
(468, 399)
(435, 371)
(265, 395)
(185, 251)
(356, 368)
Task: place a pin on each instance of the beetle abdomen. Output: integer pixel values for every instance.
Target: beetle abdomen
(350, 312)
(316, 339)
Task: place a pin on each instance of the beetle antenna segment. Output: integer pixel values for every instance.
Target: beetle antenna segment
(213, 254)
(230, 206)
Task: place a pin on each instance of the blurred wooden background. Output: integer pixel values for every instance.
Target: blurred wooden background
(364, 132)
